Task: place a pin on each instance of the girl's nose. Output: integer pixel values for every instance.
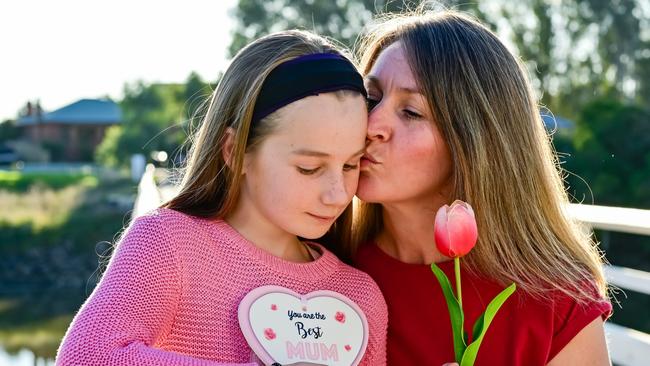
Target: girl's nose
(336, 193)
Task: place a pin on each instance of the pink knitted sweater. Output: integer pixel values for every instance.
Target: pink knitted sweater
(170, 295)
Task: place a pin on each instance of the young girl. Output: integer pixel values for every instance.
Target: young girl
(275, 160)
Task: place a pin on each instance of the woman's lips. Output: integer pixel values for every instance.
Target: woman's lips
(368, 160)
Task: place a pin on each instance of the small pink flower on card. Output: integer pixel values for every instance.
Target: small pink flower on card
(347, 347)
(269, 334)
(274, 307)
(340, 317)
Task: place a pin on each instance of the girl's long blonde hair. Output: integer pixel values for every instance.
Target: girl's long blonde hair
(209, 187)
(503, 161)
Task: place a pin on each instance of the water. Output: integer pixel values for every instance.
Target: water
(24, 357)
(33, 323)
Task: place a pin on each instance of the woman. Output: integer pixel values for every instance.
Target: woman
(452, 116)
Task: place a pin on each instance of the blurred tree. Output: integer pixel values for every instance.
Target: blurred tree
(612, 153)
(154, 118)
(196, 96)
(8, 130)
(148, 110)
(605, 56)
(340, 19)
(577, 50)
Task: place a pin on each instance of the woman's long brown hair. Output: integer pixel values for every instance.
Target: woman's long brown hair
(503, 161)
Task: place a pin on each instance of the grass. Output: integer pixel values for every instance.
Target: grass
(50, 228)
(41, 200)
(40, 207)
(37, 323)
(42, 339)
(16, 181)
(50, 207)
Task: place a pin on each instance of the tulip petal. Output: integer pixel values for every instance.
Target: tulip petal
(455, 229)
(441, 233)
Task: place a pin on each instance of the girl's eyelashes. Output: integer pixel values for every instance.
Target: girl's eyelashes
(306, 171)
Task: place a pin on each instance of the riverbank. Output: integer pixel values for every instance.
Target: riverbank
(56, 230)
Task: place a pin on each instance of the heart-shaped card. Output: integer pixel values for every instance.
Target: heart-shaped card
(322, 327)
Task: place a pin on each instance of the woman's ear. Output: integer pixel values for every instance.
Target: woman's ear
(228, 147)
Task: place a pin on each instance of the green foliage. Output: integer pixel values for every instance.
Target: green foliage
(48, 262)
(154, 119)
(8, 130)
(612, 154)
(15, 181)
(106, 152)
(341, 20)
(47, 216)
(196, 95)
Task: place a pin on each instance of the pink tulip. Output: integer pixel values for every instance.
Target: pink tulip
(455, 229)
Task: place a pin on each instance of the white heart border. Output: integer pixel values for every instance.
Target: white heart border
(253, 295)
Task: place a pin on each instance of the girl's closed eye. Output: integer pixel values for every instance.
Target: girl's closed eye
(312, 171)
(350, 167)
(307, 171)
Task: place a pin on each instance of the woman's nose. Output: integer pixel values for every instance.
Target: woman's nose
(378, 123)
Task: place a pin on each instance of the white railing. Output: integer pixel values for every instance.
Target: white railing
(624, 220)
(627, 346)
(149, 196)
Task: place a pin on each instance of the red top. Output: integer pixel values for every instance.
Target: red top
(525, 331)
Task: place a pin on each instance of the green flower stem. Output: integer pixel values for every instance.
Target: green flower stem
(458, 289)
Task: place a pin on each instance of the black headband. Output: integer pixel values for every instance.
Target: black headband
(305, 76)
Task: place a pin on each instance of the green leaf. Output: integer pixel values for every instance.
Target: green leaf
(478, 326)
(482, 324)
(455, 312)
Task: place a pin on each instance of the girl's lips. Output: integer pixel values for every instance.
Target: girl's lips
(324, 218)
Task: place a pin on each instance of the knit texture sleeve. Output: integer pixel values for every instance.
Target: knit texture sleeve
(376, 351)
(133, 307)
(377, 316)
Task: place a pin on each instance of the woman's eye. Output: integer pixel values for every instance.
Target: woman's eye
(306, 171)
(411, 114)
(349, 167)
(371, 103)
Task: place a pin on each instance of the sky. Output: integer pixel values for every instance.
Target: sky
(61, 51)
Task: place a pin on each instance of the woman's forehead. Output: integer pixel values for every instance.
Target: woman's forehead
(392, 65)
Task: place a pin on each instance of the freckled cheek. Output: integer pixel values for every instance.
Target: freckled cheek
(299, 192)
(281, 186)
(412, 156)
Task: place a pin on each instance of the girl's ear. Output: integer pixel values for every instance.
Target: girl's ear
(228, 146)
